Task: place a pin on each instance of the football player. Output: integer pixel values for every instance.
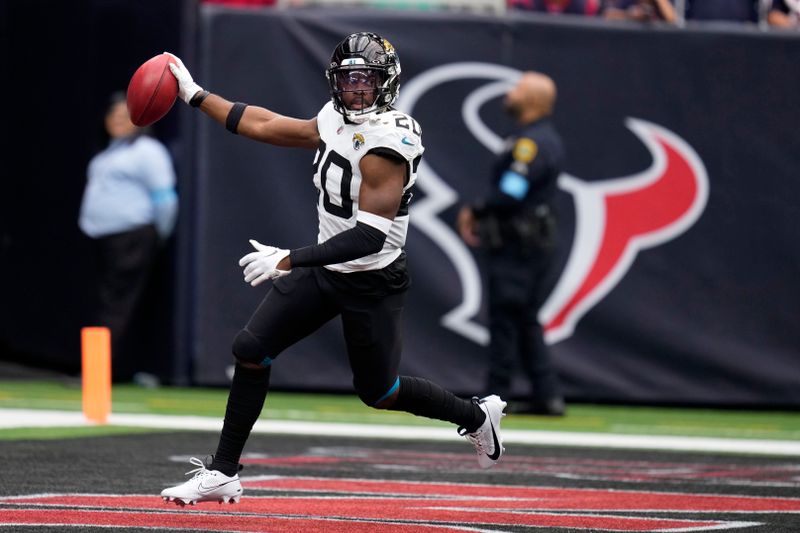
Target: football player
(367, 155)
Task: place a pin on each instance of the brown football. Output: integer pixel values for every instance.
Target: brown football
(152, 90)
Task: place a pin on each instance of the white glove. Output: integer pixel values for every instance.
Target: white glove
(187, 88)
(261, 265)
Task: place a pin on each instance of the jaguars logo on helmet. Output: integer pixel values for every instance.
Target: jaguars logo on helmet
(365, 51)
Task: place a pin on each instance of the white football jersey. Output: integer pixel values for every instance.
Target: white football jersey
(337, 176)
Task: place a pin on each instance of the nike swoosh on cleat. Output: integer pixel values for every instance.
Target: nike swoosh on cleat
(496, 455)
(205, 490)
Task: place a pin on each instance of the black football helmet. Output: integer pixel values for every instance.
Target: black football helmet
(369, 62)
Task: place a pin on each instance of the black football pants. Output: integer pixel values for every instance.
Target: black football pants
(125, 263)
(305, 300)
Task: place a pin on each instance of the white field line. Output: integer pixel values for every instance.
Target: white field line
(29, 418)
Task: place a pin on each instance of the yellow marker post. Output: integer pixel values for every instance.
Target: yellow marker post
(96, 361)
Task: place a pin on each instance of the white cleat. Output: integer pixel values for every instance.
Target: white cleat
(205, 486)
(486, 439)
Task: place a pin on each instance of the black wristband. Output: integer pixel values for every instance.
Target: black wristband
(234, 116)
(197, 99)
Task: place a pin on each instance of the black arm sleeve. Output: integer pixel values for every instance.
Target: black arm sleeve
(356, 242)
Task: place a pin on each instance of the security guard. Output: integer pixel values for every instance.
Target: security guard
(515, 223)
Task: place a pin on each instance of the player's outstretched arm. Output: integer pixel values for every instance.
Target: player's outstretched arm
(261, 124)
(255, 122)
(382, 182)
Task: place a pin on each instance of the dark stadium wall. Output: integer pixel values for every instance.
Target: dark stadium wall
(702, 312)
(61, 60)
(683, 136)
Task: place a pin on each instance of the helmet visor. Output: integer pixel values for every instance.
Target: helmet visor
(357, 80)
(357, 88)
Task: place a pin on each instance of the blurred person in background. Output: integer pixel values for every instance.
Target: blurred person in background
(557, 7)
(367, 155)
(243, 3)
(128, 210)
(515, 224)
(784, 14)
(640, 10)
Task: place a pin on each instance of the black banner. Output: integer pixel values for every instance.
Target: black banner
(678, 259)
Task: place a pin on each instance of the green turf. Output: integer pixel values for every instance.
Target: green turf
(67, 433)
(347, 408)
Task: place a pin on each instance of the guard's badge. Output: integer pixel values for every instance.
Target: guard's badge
(525, 150)
(358, 141)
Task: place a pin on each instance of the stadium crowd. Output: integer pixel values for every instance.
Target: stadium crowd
(767, 13)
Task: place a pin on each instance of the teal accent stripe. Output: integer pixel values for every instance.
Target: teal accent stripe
(160, 196)
(390, 392)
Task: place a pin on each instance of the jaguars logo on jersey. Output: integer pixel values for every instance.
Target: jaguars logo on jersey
(358, 141)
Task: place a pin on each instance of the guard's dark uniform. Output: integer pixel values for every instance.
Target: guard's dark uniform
(517, 226)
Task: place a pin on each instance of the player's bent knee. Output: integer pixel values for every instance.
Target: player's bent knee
(385, 403)
(252, 366)
(249, 351)
(379, 399)
(366, 397)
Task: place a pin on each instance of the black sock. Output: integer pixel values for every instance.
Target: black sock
(245, 401)
(421, 397)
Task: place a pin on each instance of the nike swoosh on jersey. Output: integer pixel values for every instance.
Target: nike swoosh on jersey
(406, 140)
(205, 490)
(496, 455)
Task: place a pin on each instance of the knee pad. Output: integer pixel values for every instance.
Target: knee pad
(247, 348)
(367, 397)
(371, 396)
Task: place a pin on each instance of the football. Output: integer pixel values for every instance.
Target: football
(152, 90)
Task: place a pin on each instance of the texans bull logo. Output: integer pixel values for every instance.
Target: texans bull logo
(615, 218)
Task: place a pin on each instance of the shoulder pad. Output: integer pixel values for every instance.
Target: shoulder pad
(396, 131)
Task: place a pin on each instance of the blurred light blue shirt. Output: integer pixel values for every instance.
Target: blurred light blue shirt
(130, 184)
